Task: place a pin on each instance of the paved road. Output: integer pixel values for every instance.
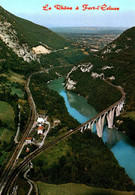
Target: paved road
(32, 118)
(19, 168)
(12, 161)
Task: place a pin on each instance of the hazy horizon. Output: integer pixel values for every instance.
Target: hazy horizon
(33, 10)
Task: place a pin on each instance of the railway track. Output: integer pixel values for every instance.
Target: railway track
(20, 167)
(8, 170)
(12, 161)
(10, 174)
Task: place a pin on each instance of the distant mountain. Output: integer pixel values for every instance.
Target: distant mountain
(89, 30)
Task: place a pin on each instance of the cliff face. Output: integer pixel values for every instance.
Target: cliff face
(116, 62)
(28, 40)
(84, 68)
(9, 36)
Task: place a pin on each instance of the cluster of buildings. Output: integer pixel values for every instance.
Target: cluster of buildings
(40, 129)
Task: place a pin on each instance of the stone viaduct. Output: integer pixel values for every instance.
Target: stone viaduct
(109, 114)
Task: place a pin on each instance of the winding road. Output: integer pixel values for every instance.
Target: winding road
(8, 170)
(12, 177)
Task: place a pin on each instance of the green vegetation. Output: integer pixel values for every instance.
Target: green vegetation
(130, 115)
(122, 58)
(6, 135)
(52, 156)
(128, 126)
(31, 148)
(34, 34)
(63, 57)
(60, 70)
(119, 55)
(23, 186)
(6, 144)
(6, 131)
(17, 91)
(76, 189)
(83, 158)
(98, 93)
(7, 114)
(51, 103)
(86, 160)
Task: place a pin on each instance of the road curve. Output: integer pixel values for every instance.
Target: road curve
(20, 167)
(12, 161)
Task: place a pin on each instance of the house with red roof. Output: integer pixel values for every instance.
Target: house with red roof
(29, 140)
(41, 130)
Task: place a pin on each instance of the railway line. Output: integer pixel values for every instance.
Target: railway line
(11, 172)
(32, 117)
(12, 161)
(11, 179)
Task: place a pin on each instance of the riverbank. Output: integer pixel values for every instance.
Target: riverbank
(55, 166)
(122, 147)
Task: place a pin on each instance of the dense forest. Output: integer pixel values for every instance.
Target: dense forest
(83, 158)
(50, 103)
(87, 160)
(99, 94)
(115, 60)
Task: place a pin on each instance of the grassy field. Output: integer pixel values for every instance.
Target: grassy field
(5, 134)
(61, 149)
(6, 114)
(76, 189)
(17, 91)
(5, 140)
(14, 77)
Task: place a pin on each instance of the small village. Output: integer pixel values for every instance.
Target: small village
(38, 133)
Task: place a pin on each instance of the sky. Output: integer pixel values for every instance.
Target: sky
(33, 11)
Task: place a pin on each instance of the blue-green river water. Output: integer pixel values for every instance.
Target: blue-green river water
(121, 146)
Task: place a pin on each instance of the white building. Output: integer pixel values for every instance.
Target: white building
(40, 120)
(29, 140)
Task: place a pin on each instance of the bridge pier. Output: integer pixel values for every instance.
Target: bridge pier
(100, 125)
(82, 128)
(100, 118)
(90, 125)
(119, 108)
(110, 117)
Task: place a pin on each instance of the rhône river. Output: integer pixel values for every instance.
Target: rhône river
(121, 146)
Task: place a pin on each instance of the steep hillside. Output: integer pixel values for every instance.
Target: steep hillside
(33, 42)
(122, 49)
(120, 54)
(27, 34)
(116, 62)
(25, 48)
